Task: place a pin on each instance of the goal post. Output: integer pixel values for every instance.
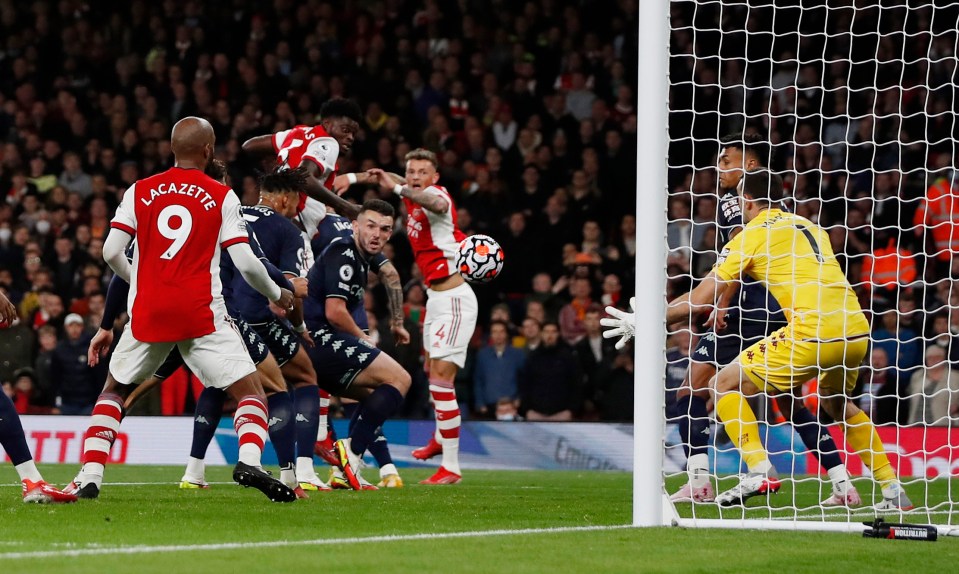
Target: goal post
(856, 101)
(651, 121)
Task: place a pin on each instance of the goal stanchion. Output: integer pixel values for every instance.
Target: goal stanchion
(852, 101)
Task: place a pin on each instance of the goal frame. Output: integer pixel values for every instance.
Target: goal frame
(651, 504)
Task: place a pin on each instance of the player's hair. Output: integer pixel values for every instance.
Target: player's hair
(749, 143)
(283, 181)
(379, 206)
(216, 169)
(763, 185)
(423, 154)
(341, 108)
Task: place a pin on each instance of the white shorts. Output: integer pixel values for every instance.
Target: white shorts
(449, 324)
(218, 359)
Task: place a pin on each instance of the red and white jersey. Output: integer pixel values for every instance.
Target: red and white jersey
(306, 143)
(434, 237)
(180, 219)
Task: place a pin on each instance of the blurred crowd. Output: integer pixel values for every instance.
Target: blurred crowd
(529, 106)
(858, 103)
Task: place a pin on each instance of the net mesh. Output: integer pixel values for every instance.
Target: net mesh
(858, 105)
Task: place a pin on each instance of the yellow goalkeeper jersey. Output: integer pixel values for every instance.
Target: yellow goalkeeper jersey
(794, 259)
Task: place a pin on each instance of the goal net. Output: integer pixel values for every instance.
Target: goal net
(856, 104)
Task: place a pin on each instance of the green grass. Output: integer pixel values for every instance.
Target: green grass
(161, 514)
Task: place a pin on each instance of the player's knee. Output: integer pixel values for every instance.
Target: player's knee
(400, 379)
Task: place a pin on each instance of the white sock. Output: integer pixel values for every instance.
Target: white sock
(195, 468)
(839, 478)
(288, 477)
(92, 472)
(764, 467)
(697, 468)
(304, 468)
(387, 469)
(28, 471)
(451, 455)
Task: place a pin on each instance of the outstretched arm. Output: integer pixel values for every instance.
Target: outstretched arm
(259, 147)
(696, 301)
(427, 201)
(317, 191)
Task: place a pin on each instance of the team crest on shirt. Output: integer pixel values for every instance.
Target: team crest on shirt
(346, 272)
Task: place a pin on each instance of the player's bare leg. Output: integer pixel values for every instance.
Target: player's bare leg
(861, 435)
(732, 386)
(692, 399)
(818, 441)
(389, 383)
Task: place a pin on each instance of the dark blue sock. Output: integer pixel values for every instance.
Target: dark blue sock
(380, 449)
(206, 418)
(693, 425)
(307, 418)
(816, 438)
(378, 407)
(11, 433)
(283, 429)
(351, 411)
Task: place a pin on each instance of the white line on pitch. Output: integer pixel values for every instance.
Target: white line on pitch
(287, 543)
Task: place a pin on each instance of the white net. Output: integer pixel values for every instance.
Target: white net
(856, 105)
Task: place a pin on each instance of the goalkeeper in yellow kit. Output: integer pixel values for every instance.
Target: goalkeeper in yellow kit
(827, 335)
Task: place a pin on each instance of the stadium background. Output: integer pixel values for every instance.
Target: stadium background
(530, 107)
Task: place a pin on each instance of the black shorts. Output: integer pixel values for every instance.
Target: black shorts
(722, 348)
(280, 339)
(254, 346)
(338, 358)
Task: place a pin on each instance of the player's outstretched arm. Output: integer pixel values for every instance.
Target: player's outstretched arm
(696, 301)
(255, 274)
(259, 147)
(317, 191)
(428, 201)
(113, 253)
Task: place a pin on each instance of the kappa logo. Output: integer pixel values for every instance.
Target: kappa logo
(349, 253)
(301, 418)
(336, 345)
(362, 357)
(349, 351)
(274, 421)
(285, 340)
(710, 336)
(202, 420)
(326, 338)
(702, 351)
(824, 438)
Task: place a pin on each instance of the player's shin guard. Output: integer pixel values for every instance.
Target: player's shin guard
(742, 428)
(14, 442)
(249, 422)
(862, 437)
(378, 407)
(694, 431)
(99, 437)
(206, 418)
(323, 429)
(447, 422)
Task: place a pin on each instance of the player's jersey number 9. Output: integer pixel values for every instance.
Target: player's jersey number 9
(178, 234)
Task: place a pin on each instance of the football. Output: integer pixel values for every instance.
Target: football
(479, 259)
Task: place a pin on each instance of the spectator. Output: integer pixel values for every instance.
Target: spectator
(615, 397)
(78, 385)
(549, 384)
(888, 267)
(42, 366)
(73, 177)
(25, 397)
(880, 394)
(572, 314)
(595, 355)
(902, 345)
(506, 410)
(497, 367)
(16, 349)
(544, 292)
(937, 224)
(532, 334)
(935, 398)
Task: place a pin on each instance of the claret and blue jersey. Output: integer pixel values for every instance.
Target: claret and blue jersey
(340, 271)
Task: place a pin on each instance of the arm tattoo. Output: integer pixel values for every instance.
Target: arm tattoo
(394, 292)
(428, 201)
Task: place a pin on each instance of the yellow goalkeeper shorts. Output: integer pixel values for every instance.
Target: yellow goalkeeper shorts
(781, 362)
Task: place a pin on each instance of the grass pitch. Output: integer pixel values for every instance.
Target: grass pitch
(146, 524)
